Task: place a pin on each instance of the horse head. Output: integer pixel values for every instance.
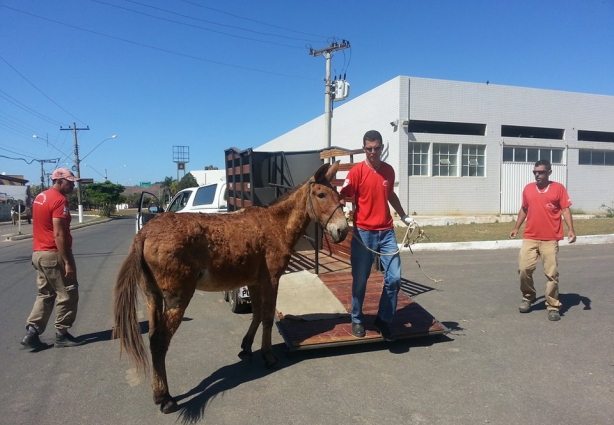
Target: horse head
(323, 204)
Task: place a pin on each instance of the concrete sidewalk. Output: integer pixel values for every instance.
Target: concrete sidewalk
(422, 221)
(26, 229)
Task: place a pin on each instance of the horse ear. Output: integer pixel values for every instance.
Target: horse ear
(320, 174)
(330, 174)
(326, 172)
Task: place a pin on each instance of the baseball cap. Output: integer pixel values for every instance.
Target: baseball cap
(63, 173)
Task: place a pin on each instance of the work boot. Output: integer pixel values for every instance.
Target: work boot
(554, 315)
(358, 330)
(525, 306)
(31, 340)
(66, 340)
(383, 329)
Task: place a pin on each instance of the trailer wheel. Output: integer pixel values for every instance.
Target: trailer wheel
(237, 305)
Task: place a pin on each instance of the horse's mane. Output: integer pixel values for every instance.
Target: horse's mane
(287, 194)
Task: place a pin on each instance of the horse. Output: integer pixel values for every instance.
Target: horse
(175, 254)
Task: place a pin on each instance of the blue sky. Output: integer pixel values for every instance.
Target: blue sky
(212, 75)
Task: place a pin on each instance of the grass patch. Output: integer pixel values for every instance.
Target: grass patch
(500, 231)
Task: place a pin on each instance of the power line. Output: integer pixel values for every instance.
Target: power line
(158, 48)
(202, 20)
(39, 90)
(249, 19)
(20, 105)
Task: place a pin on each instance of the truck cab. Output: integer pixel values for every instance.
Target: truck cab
(211, 198)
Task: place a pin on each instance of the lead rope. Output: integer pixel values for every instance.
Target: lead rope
(406, 242)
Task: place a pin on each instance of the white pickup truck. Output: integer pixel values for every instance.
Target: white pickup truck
(212, 198)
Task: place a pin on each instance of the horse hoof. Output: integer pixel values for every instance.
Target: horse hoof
(270, 364)
(169, 406)
(246, 356)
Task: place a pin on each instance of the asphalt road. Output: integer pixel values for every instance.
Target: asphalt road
(496, 366)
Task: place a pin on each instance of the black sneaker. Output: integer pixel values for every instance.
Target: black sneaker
(358, 330)
(383, 329)
(31, 340)
(66, 340)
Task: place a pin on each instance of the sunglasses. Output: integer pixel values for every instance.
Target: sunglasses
(375, 149)
(541, 172)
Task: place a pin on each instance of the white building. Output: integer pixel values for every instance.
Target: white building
(467, 148)
(206, 177)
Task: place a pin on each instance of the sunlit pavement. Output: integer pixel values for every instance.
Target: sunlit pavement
(12, 232)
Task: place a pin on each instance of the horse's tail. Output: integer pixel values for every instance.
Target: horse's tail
(127, 327)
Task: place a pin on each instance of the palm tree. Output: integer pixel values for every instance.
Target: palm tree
(167, 185)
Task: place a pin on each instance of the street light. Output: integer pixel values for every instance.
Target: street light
(48, 144)
(101, 175)
(108, 138)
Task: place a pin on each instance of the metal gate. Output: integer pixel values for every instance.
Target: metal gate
(516, 175)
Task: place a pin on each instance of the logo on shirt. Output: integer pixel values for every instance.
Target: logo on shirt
(66, 212)
(345, 183)
(40, 199)
(385, 183)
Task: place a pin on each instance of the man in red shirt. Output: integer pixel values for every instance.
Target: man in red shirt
(54, 263)
(543, 203)
(371, 183)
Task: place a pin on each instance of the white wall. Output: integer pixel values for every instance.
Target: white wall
(205, 177)
(491, 104)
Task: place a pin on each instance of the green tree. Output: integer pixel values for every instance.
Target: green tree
(105, 195)
(167, 192)
(187, 181)
(133, 199)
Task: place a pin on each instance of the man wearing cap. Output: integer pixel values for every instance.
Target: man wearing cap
(54, 263)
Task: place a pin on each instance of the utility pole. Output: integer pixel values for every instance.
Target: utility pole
(328, 100)
(43, 161)
(74, 129)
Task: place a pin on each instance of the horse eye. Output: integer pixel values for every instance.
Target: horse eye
(321, 195)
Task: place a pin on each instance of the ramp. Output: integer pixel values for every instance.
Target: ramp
(410, 320)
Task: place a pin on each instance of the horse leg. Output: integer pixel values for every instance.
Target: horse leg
(248, 339)
(162, 328)
(269, 299)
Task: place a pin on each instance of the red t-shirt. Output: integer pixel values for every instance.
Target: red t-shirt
(371, 189)
(543, 209)
(48, 205)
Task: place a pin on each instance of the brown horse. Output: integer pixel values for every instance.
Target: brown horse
(175, 254)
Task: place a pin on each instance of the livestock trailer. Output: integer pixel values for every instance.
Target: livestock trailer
(256, 178)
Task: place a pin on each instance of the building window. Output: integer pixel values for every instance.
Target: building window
(418, 159)
(474, 157)
(442, 127)
(445, 159)
(532, 132)
(595, 157)
(595, 136)
(532, 155)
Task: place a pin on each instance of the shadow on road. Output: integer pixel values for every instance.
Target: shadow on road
(228, 377)
(568, 301)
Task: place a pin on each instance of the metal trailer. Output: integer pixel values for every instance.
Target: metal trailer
(257, 178)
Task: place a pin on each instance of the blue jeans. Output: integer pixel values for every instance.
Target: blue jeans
(383, 241)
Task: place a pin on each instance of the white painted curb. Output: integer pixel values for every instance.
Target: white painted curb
(502, 244)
